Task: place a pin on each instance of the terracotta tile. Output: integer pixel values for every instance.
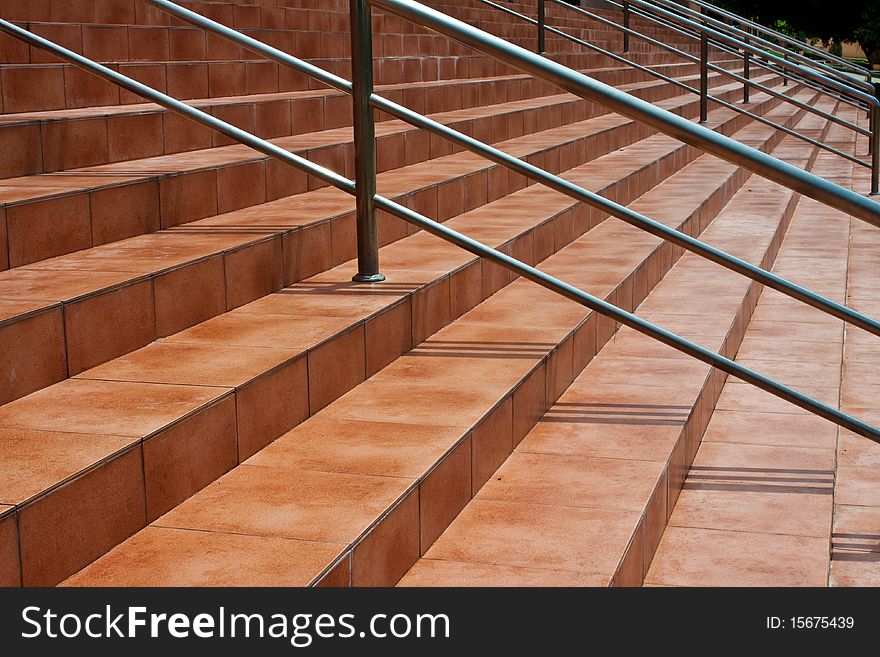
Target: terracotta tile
(35, 462)
(388, 335)
(770, 429)
(574, 481)
(105, 407)
(183, 458)
(101, 327)
(272, 119)
(22, 150)
(28, 89)
(4, 242)
(66, 530)
(241, 186)
(284, 503)
(434, 572)
(188, 197)
(412, 403)
(738, 559)
(445, 362)
(529, 403)
(86, 90)
(270, 405)
(253, 271)
(158, 556)
(430, 309)
(855, 573)
(492, 443)
(355, 446)
(384, 555)
(306, 252)
(858, 451)
(465, 290)
(10, 566)
(336, 367)
(338, 576)
(124, 211)
(444, 492)
(537, 536)
(178, 363)
(256, 329)
(756, 502)
(854, 543)
(48, 228)
(74, 144)
(188, 295)
(181, 134)
(631, 571)
(560, 370)
(32, 351)
(855, 485)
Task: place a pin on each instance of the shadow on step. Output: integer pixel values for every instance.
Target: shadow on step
(604, 413)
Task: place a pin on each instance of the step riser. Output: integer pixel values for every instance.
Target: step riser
(65, 336)
(92, 217)
(553, 371)
(138, 43)
(635, 557)
(40, 87)
(425, 311)
(557, 372)
(45, 146)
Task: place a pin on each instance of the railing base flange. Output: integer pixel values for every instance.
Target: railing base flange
(368, 278)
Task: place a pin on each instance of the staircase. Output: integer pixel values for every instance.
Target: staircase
(193, 392)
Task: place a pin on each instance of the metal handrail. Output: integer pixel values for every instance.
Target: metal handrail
(855, 68)
(747, 38)
(705, 32)
(703, 91)
(629, 11)
(530, 171)
(669, 123)
(477, 248)
(741, 34)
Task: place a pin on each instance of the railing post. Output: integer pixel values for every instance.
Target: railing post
(747, 58)
(874, 147)
(626, 14)
(541, 21)
(364, 142)
(704, 78)
(784, 72)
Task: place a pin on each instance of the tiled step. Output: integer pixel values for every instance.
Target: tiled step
(856, 532)
(43, 142)
(767, 495)
(38, 87)
(335, 333)
(568, 20)
(106, 203)
(140, 43)
(585, 496)
(80, 310)
(359, 487)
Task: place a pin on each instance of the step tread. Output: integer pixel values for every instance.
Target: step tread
(586, 489)
(390, 396)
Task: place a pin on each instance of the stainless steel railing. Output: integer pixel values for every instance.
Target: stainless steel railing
(361, 20)
(705, 66)
(790, 41)
(749, 49)
(645, 9)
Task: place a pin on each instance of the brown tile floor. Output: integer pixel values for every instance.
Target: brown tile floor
(757, 506)
(360, 458)
(855, 538)
(608, 446)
